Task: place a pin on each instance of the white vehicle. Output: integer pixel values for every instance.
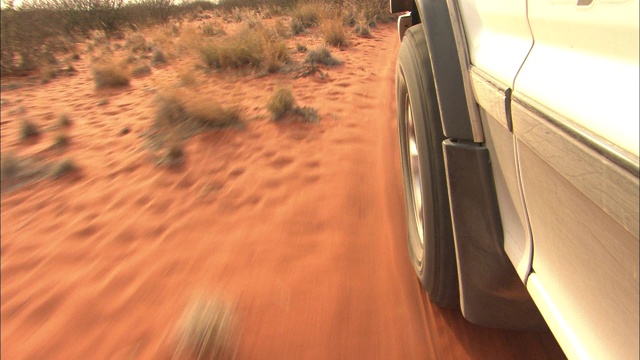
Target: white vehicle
(518, 124)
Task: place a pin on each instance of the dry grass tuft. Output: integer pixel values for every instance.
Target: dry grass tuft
(63, 167)
(173, 156)
(137, 43)
(362, 29)
(109, 74)
(9, 167)
(283, 103)
(334, 33)
(141, 70)
(64, 120)
(306, 15)
(61, 141)
(158, 57)
(321, 55)
(206, 330)
(28, 130)
(257, 47)
(187, 108)
(213, 29)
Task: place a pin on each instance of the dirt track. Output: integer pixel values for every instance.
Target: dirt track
(302, 225)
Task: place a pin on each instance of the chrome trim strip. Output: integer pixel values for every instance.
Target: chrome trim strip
(603, 172)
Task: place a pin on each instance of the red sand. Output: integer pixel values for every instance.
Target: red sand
(301, 224)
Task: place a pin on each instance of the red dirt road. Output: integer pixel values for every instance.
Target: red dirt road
(302, 225)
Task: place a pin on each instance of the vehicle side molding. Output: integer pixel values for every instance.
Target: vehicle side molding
(491, 293)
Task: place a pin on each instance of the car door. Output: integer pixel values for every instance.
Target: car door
(575, 120)
(499, 39)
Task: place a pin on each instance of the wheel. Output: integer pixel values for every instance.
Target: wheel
(430, 237)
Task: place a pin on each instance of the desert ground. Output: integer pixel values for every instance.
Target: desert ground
(297, 226)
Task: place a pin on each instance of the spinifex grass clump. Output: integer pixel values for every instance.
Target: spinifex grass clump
(306, 15)
(28, 129)
(334, 33)
(257, 47)
(193, 110)
(283, 103)
(110, 74)
(323, 56)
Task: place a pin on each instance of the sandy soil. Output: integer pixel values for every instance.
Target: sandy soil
(302, 225)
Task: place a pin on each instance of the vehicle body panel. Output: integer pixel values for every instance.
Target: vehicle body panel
(557, 85)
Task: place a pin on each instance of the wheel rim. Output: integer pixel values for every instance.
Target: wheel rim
(414, 168)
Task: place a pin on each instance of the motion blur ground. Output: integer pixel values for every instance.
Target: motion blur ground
(299, 225)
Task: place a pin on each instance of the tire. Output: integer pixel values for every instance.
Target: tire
(430, 238)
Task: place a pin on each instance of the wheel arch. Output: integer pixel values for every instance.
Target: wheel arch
(447, 46)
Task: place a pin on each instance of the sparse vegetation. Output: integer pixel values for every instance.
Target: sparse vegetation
(306, 15)
(63, 167)
(247, 47)
(141, 70)
(158, 57)
(182, 108)
(322, 55)
(61, 140)
(283, 103)
(137, 43)
(63, 120)
(28, 129)
(301, 47)
(206, 330)
(334, 33)
(10, 166)
(173, 155)
(362, 29)
(109, 74)
(213, 29)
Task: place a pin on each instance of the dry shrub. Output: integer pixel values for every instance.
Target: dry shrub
(281, 29)
(9, 167)
(247, 47)
(108, 74)
(283, 103)
(193, 110)
(64, 120)
(137, 43)
(206, 330)
(362, 29)
(334, 33)
(63, 167)
(173, 156)
(141, 70)
(158, 57)
(60, 141)
(28, 129)
(306, 15)
(323, 56)
(213, 29)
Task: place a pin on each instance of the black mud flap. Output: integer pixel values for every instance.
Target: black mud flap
(491, 293)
